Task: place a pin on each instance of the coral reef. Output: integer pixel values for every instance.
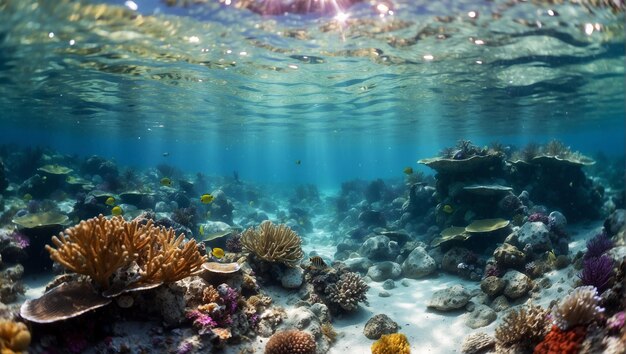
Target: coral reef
(291, 342)
(578, 308)
(99, 247)
(273, 243)
(522, 329)
(348, 291)
(395, 343)
(14, 337)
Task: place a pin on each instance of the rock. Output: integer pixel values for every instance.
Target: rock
(358, 264)
(452, 298)
(509, 256)
(492, 285)
(379, 248)
(482, 316)
(477, 343)
(384, 270)
(292, 278)
(321, 312)
(615, 222)
(500, 303)
(384, 294)
(535, 234)
(371, 218)
(418, 264)
(453, 257)
(516, 284)
(557, 221)
(388, 284)
(378, 325)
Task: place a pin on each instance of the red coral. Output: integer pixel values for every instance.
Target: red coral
(562, 342)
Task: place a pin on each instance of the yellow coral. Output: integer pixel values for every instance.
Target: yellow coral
(395, 343)
(14, 337)
(98, 247)
(273, 243)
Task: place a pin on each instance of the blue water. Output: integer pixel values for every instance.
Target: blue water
(240, 96)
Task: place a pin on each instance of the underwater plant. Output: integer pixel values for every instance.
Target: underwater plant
(277, 244)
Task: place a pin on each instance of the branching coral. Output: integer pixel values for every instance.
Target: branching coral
(348, 291)
(578, 308)
(291, 342)
(395, 343)
(523, 329)
(273, 243)
(99, 247)
(14, 337)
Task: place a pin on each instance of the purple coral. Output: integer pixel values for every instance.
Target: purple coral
(229, 296)
(598, 245)
(21, 240)
(202, 320)
(597, 272)
(538, 217)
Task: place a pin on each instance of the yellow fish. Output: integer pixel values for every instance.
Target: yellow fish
(201, 229)
(206, 198)
(166, 181)
(117, 210)
(447, 209)
(27, 197)
(110, 201)
(552, 257)
(217, 252)
(408, 170)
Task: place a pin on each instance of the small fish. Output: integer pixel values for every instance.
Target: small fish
(117, 210)
(166, 154)
(317, 261)
(298, 162)
(110, 201)
(408, 170)
(201, 229)
(552, 257)
(447, 209)
(251, 203)
(217, 252)
(206, 198)
(27, 197)
(166, 182)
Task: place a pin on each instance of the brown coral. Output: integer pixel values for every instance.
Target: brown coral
(273, 243)
(14, 337)
(210, 294)
(99, 247)
(291, 342)
(522, 329)
(348, 291)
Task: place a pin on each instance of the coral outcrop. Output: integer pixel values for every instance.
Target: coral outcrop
(273, 243)
(291, 342)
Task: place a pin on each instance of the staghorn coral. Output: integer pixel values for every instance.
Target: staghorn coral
(291, 342)
(522, 329)
(348, 291)
(578, 308)
(562, 341)
(395, 343)
(273, 243)
(100, 247)
(14, 337)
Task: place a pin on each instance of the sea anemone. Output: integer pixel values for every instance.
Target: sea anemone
(598, 245)
(597, 272)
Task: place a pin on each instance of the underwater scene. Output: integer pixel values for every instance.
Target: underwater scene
(312, 176)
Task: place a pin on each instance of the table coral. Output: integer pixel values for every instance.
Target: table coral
(395, 343)
(562, 341)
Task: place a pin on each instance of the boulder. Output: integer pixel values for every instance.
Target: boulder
(418, 264)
